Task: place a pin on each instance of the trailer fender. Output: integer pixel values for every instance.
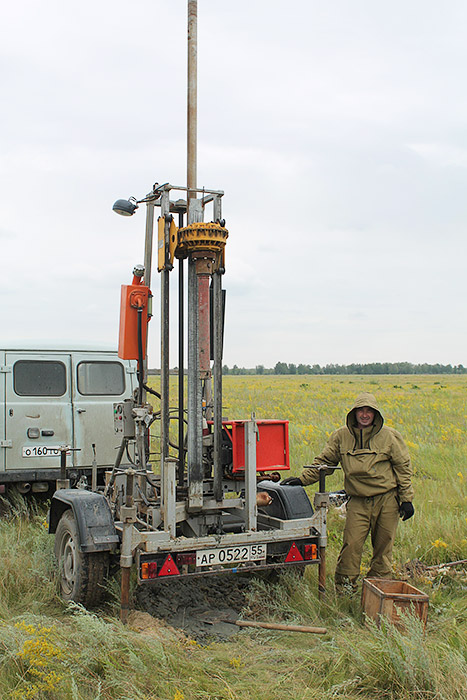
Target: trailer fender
(289, 502)
(93, 517)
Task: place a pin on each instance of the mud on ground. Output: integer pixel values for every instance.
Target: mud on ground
(198, 606)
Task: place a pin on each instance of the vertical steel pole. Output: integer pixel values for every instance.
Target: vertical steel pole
(217, 343)
(250, 474)
(169, 508)
(192, 100)
(195, 416)
(217, 365)
(164, 365)
(322, 573)
(126, 556)
(148, 243)
(181, 369)
(144, 459)
(164, 443)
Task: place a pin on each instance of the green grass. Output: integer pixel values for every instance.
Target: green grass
(48, 651)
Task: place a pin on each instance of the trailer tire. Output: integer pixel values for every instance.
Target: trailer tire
(82, 575)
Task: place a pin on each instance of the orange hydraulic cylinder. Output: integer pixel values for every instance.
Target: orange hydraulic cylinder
(133, 296)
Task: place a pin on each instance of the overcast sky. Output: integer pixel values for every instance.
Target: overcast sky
(337, 131)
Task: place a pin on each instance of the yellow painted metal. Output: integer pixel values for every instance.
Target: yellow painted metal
(162, 243)
(173, 240)
(201, 237)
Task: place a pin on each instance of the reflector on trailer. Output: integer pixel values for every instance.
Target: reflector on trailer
(169, 567)
(186, 558)
(149, 569)
(294, 554)
(310, 552)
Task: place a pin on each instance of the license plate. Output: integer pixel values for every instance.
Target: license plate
(231, 555)
(42, 451)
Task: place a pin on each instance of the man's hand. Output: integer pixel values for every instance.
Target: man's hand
(406, 510)
(292, 481)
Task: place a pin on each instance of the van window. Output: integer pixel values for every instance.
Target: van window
(39, 378)
(100, 378)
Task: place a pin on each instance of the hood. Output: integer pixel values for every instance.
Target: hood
(365, 399)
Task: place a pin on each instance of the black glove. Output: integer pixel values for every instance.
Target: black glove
(406, 510)
(292, 481)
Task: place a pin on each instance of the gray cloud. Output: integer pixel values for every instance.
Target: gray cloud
(336, 130)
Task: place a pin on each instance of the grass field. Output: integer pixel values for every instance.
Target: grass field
(48, 651)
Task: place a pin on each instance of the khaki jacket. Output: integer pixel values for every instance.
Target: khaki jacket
(374, 460)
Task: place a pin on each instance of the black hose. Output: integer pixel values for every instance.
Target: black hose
(151, 391)
(140, 355)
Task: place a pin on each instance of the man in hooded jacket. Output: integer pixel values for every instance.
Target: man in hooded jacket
(378, 480)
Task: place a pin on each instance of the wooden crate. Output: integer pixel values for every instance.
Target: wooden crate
(382, 596)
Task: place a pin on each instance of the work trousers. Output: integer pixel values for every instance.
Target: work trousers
(378, 515)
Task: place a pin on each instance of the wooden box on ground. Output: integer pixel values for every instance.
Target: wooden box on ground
(386, 597)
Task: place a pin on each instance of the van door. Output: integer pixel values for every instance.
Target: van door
(99, 382)
(2, 411)
(38, 411)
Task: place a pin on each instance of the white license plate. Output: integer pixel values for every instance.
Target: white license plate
(42, 451)
(231, 555)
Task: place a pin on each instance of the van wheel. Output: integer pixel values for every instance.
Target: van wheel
(82, 576)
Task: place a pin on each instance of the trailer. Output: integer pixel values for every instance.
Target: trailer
(213, 503)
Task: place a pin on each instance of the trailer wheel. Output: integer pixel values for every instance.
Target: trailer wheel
(82, 575)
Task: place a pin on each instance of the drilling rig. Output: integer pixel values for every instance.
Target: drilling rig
(213, 503)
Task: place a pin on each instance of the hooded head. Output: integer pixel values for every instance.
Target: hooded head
(362, 400)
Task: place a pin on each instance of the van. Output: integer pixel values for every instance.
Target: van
(55, 397)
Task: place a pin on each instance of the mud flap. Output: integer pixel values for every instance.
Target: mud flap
(93, 517)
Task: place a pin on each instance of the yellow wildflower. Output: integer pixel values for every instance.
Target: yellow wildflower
(236, 662)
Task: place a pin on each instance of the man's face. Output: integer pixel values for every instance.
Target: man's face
(365, 417)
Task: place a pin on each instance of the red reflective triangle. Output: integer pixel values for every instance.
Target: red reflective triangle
(169, 567)
(294, 554)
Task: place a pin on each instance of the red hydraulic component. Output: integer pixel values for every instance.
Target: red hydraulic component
(134, 296)
(204, 326)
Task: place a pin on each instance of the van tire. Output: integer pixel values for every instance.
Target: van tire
(82, 576)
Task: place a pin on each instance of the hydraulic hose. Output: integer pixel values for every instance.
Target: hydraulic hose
(151, 391)
(140, 355)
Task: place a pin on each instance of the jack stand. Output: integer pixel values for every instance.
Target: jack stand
(128, 516)
(322, 573)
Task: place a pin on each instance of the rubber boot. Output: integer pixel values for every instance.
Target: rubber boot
(346, 585)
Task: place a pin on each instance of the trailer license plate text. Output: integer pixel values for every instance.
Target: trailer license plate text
(41, 451)
(231, 555)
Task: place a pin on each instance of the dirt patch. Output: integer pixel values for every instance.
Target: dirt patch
(145, 623)
(197, 606)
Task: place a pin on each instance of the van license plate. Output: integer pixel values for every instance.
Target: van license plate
(231, 555)
(42, 451)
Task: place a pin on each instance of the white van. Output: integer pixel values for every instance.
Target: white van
(55, 397)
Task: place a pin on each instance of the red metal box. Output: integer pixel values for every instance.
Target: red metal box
(272, 445)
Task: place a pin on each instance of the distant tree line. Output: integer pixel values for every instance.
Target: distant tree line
(354, 368)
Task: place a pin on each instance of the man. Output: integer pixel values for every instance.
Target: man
(378, 481)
